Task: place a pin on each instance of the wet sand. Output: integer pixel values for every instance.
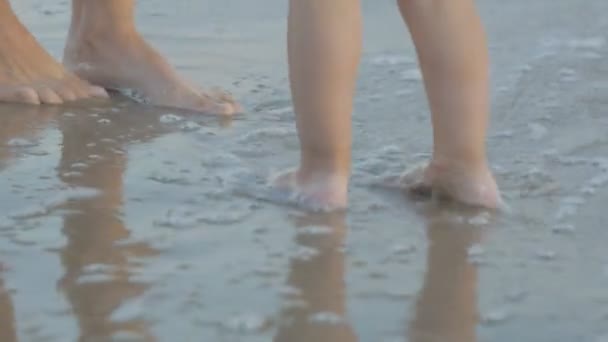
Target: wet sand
(120, 222)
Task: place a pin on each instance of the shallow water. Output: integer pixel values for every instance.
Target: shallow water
(120, 222)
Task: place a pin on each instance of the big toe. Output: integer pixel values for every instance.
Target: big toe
(98, 92)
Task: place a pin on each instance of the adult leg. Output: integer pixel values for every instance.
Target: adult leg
(324, 46)
(105, 48)
(453, 57)
(28, 74)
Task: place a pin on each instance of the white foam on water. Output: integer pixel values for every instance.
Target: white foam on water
(412, 75)
(95, 157)
(281, 111)
(390, 60)
(168, 178)
(79, 166)
(178, 218)
(170, 118)
(221, 160)
(129, 311)
(545, 254)
(94, 278)
(189, 126)
(403, 92)
(290, 291)
(134, 95)
(98, 268)
(476, 251)
(403, 249)
(104, 121)
(294, 304)
(537, 131)
(256, 136)
(566, 229)
(60, 198)
(304, 253)
(496, 316)
(247, 323)
(480, 219)
(315, 230)
(20, 142)
(71, 174)
(326, 318)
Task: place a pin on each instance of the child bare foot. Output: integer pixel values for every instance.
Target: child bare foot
(127, 61)
(318, 192)
(28, 74)
(466, 184)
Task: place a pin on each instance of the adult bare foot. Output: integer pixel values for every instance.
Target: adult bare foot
(28, 74)
(469, 185)
(318, 192)
(126, 61)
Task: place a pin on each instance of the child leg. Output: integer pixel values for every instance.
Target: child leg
(324, 46)
(453, 57)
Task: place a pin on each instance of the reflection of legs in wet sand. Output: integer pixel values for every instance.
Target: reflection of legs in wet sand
(103, 48)
(324, 49)
(15, 124)
(320, 287)
(447, 306)
(7, 315)
(92, 231)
